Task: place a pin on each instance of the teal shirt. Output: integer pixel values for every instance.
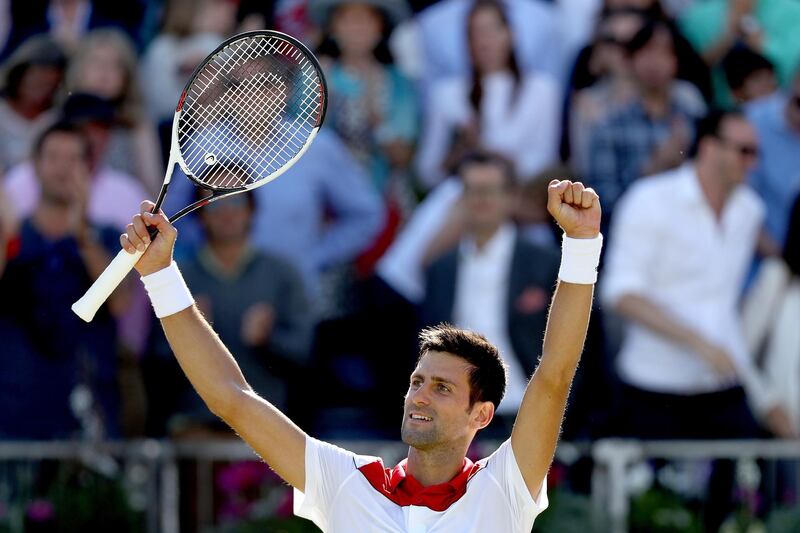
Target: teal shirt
(704, 23)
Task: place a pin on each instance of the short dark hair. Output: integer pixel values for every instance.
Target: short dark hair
(69, 128)
(488, 376)
(741, 62)
(646, 34)
(710, 125)
(483, 157)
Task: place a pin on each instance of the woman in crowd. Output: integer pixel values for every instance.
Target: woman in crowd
(498, 108)
(105, 65)
(30, 81)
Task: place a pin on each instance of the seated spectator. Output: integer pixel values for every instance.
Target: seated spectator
(535, 223)
(48, 352)
(681, 245)
(494, 282)
(776, 177)
(373, 106)
(498, 107)
(68, 21)
(112, 195)
(768, 27)
(190, 31)
(31, 78)
(257, 303)
(105, 65)
(750, 75)
(434, 43)
(651, 133)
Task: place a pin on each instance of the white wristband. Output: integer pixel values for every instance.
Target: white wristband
(579, 259)
(167, 290)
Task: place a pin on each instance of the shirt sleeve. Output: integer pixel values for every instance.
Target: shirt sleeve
(502, 465)
(327, 468)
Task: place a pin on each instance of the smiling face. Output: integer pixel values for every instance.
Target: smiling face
(437, 411)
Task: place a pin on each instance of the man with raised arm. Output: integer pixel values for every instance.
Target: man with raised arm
(453, 392)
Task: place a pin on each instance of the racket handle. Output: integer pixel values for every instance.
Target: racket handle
(103, 286)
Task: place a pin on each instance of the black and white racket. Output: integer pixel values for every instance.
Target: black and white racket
(248, 113)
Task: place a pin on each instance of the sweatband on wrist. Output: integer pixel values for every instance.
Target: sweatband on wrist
(167, 290)
(579, 259)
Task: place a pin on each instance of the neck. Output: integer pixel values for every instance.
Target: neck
(357, 61)
(714, 188)
(228, 253)
(482, 236)
(54, 220)
(433, 467)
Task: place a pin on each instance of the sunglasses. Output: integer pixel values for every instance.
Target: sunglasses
(744, 150)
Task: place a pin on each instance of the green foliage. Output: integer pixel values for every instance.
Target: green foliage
(662, 511)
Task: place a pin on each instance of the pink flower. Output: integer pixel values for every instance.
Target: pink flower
(40, 511)
(242, 476)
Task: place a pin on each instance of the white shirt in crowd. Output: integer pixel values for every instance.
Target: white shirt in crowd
(667, 245)
(523, 123)
(340, 498)
(481, 303)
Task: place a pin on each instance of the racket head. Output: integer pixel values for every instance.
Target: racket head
(248, 112)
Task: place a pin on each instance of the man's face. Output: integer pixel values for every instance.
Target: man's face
(63, 168)
(437, 411)
(487, 196)
(227, 220)
(655, 65)
(737, 149)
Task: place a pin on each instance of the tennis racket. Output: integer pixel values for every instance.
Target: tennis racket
(248, 113)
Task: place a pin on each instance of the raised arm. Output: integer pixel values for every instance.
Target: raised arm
(538, 424)
(212, 369)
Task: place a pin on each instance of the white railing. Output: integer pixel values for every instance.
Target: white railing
(610, 493)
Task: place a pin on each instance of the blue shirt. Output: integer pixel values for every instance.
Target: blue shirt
(776, 177)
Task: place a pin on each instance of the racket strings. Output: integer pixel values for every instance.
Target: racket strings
(249, 112)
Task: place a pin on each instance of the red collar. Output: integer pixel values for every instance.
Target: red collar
(401, 487)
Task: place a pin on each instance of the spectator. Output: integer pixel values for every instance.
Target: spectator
(434, 43)
(494, 282)
(750, 75)
(651, 133)
(256, 301)
(682, 243)
(47, 350)
(498, 107)
(188, 34)
(113, 195)
(105, 65)
(601, 82)
(373, 107)
(31, 78)
(68, 21)
(768, 27)
(776, 178)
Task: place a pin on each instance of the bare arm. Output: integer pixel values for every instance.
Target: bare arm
(538, 423)
(213, 371)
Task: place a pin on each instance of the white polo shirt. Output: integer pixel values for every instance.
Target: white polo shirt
(346, 492)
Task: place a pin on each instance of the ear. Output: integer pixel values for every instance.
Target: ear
(482, 414)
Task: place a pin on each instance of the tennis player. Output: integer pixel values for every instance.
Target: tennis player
(458, 382)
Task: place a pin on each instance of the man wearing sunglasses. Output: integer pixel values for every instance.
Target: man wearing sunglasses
(681, 245)
(776, 177)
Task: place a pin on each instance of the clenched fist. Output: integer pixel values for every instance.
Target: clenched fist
(575, 208)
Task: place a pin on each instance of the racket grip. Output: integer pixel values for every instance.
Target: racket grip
(103, 286)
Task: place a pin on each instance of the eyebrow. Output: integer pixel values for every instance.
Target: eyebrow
(435, 379)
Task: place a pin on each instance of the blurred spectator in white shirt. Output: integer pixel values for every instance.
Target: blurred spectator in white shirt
(497, 107)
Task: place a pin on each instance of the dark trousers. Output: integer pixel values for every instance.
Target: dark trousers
(716, 415)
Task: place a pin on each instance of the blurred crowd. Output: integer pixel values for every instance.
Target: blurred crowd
(423, 199)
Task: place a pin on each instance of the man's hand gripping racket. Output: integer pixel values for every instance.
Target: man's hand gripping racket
(248, 113)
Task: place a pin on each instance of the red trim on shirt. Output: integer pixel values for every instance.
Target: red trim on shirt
(401, 487)
(13, 247)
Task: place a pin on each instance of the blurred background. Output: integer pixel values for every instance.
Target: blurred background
(423, 199)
